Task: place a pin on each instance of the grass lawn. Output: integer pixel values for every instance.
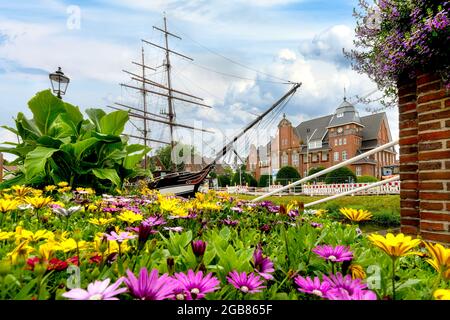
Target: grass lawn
(385, 208)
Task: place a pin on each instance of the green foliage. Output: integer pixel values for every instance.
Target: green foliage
(286, 174)
(245, 178)
(341, 175)
(315, 170)
(164, 154)
(58, 144)
(364, 179)
(264, 180)
(223, 180)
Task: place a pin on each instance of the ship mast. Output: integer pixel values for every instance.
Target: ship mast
(148, 86)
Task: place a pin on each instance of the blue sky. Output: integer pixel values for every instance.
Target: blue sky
(299, 40)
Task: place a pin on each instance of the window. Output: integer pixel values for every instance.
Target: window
(295, 161)
(358, 171)
(340, 142)
(336, 156)
(305, 158)
(324, 156)
(335, 142)
(314, 157)
(315, 144)
(345, 140)
(305, 173)
(344, 155)
(340, 115)
(284, 159)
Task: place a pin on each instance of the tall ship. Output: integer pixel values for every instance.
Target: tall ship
(181, 183)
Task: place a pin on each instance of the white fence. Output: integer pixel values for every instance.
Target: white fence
(332, 189)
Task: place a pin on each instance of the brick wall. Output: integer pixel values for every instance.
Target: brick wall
(424, 106)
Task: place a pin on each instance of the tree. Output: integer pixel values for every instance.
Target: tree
(264, 180)
(165, 155)
(341, 175)
(363, 179)
(223, 180)
(287, 174)
(245, 178)
(315, 170)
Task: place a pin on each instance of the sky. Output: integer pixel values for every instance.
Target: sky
(241, 50)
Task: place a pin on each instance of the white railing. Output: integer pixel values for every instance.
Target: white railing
(332, 189)
(337, 166)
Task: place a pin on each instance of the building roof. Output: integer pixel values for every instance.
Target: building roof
(372, 125)
(345, 113)
(314, 129)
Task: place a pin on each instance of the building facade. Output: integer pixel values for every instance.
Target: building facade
(327, 141)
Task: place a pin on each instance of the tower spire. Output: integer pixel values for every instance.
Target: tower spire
(345, 94)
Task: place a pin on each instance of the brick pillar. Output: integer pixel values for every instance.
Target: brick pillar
(424, 106)
(433, 112)
(409, 195)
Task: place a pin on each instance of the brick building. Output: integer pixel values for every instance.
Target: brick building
(326, 141)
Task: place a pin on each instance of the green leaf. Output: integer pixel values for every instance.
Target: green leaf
(96, 115)
(107, 174)
(135, 153)
(35, 161)
(81, 146)
(114, 122)
(74, 113)
(45, 107)
(10, 129)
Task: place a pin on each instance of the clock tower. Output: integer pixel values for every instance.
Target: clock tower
(345, 133)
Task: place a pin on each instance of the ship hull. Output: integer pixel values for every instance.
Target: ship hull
(184, 184)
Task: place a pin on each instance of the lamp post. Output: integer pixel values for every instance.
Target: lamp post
(59, 82)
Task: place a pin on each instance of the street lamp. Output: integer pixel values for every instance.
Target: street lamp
(59, 82)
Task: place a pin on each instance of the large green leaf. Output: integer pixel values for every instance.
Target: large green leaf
(35, 161)
(114, 122)
(107, 174)
(81, 146)
(96, 115)
(47, 141)
(135, 153)
(74, 113)
(45, 107)
(27, 128)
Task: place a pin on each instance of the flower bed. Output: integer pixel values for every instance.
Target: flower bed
(62, 244)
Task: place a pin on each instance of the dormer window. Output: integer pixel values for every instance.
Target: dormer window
(315, 144)
(340, 115)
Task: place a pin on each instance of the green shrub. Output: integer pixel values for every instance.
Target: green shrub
(341, 175)
(58, 144)
(287, 174)
(315, 170)
(364, 179)
(264, 180)
(223, 180)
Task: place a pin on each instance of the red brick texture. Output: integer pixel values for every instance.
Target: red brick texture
(424, 106)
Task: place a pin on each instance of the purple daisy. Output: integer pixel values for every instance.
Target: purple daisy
(98, 290)
(194, 286)
(263, 265)
(316, 287)
(198, 247)
(113, 236)
(246, 283)
(154, 221)
(333, 254)
(230, 222)
(148, 286)
(237, 209)
(346, 288)
(316, 225)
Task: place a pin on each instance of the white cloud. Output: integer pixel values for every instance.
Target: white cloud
(287, 54)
